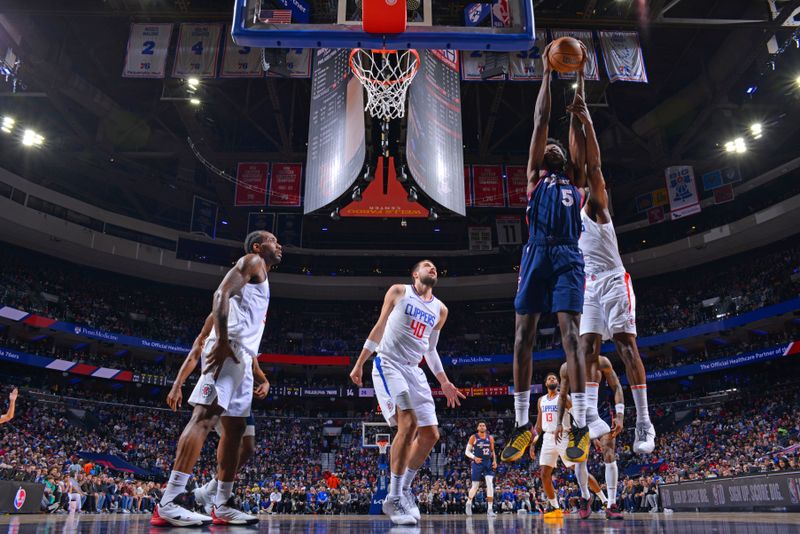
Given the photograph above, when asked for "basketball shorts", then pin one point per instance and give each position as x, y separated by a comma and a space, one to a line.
483, 469
609, 305
552, 451
390, 378
233, 389
249, 430
550, 279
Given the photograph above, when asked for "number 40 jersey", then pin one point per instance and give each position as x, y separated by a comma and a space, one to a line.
409, 327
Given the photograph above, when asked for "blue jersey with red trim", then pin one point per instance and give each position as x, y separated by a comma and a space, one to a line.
554, 210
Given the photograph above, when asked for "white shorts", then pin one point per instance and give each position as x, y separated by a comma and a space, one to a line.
609, 304
598, 428
390, 378
233, 390
551, 451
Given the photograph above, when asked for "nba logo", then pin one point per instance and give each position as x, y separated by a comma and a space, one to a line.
19, 498
206, 391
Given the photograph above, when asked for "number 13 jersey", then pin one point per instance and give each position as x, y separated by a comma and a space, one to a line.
408, 329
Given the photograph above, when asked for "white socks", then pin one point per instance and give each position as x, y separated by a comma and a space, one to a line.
582, 474
175, 486
612, 478
224, 492
210, 488
640, 399
591, 401
408, 478
553, 502
579, 409
396, 485
522, 407
602, 496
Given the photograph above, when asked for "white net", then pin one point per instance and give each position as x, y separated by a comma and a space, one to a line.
386, 75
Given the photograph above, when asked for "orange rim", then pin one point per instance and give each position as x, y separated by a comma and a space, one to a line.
385, 52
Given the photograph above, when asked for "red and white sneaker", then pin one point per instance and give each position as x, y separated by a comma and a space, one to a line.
226, 514
173, 515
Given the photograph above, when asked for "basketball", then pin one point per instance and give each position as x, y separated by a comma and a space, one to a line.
565, 54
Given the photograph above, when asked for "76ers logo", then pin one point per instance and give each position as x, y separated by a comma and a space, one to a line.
206, 390
19, 498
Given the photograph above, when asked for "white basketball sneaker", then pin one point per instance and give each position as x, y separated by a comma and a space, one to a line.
226, 514
411, 504
490, 511
468, 510
173, 515
203, 500
395, 508
645, 440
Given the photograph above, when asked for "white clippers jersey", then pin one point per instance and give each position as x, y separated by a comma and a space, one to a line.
247, 316
409, 327
598, 243
549, 409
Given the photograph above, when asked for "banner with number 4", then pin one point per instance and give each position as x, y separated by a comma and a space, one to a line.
197, 51
147, 50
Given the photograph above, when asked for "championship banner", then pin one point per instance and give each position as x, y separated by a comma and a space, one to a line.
298, 64
284, 186
204, 217
487, 182
656, 215
591, 70
528, 65
197, 50
517, 186
260, 221
622, 53
251, 184
240, 61
467, 186
147, 50
724, 194
682, 189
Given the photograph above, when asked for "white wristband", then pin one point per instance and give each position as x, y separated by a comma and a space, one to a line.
619, 408
371, 345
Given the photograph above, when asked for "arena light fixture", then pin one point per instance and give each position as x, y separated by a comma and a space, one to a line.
335, 214
741, 147
730, 146
31, 138
193, 82
432, 215
797, 80
194, 101
8, 124
412, 195
757, 130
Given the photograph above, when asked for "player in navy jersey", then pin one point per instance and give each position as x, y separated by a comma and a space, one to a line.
480, 449
551, 277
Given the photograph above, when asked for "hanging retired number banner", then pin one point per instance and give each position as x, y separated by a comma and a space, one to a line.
147, 50
622, 54
527, 65
590, 69
284, 187
517, 186
240, 61
487, 182
251, 184
197, 51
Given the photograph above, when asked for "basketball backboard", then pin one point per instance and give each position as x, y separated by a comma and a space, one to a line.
504, 25
372, 433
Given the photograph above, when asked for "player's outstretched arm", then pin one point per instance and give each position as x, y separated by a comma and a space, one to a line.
376, 334
451, 392
577, 138
619, 395
12, 405
541, 123
175, 396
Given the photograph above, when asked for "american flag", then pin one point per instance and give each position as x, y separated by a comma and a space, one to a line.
275, 16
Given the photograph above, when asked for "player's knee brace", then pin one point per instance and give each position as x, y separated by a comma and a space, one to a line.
489, 486
403, 400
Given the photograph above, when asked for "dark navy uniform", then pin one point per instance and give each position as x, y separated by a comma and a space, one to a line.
551, 277
483, 450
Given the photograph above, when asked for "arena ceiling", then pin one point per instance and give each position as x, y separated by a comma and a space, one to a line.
121, 143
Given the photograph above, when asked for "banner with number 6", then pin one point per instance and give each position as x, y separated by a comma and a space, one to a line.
240, 61
197, 51
147, 51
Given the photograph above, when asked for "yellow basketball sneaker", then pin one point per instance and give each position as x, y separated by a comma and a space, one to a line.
518, 443
552, 513
578, 444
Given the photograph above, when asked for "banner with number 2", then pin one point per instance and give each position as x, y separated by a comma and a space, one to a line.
197, 51
147, 50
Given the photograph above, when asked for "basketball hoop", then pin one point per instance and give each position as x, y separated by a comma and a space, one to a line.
386, 75
382, 445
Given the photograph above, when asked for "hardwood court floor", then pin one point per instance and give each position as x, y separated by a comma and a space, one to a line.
729, 523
